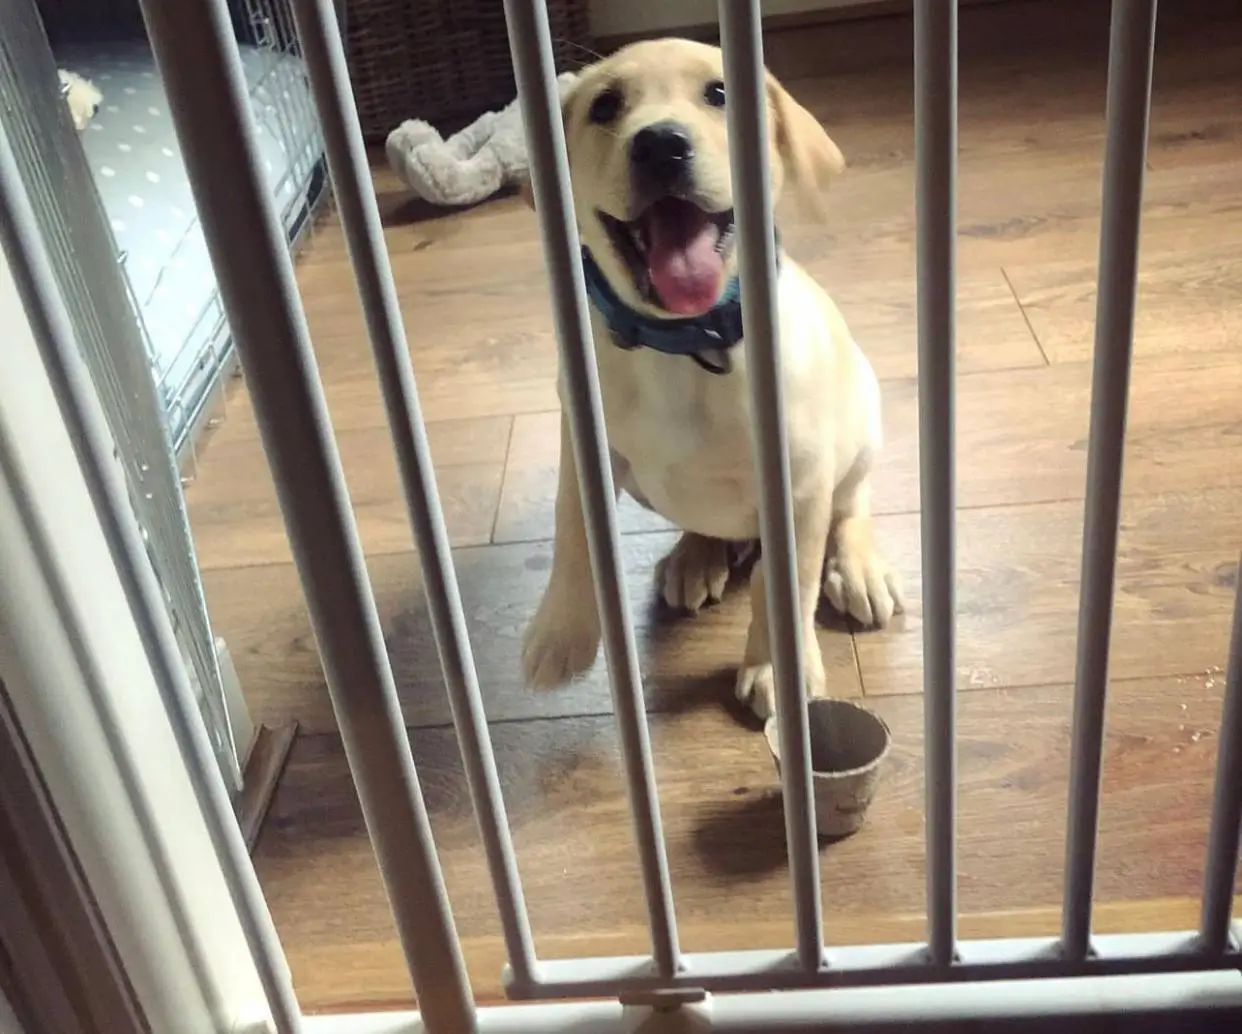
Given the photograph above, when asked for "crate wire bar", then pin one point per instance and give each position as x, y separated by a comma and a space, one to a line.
1193, 974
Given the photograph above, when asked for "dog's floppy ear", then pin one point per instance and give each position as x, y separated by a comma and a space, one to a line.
810, 157
566, 83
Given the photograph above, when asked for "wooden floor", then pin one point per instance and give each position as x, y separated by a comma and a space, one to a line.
474, 293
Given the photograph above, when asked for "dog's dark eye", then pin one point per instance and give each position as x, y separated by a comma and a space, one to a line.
605, 107
714, 93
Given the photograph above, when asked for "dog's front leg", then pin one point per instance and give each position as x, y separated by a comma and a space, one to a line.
857, 579
756, 685
564, 636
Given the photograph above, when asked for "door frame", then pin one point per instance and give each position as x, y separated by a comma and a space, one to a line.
69, 643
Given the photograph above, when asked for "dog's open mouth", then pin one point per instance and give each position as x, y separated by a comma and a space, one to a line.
676, 253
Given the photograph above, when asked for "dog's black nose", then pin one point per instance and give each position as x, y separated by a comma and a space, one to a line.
661, 154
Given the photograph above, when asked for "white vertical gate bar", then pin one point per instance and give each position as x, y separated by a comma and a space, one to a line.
1222, 857
531, 45
355, 198
201, 69
93, 443
1130, 50
935, 121
747, 119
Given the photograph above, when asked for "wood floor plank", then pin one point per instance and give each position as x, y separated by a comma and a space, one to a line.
476, 375
504, 362
992, 333
1025, 199
721, 808
1021, 438
1187, 302
1017, 592
1022, 435
235, 518
1016, 210
261, 613
1058, 102
528, 498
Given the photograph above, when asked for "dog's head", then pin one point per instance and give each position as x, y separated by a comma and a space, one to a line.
649, 155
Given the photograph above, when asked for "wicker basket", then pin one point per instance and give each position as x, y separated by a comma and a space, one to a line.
445, 61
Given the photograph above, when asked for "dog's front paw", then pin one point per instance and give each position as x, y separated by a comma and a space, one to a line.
858, 582
560, 644
694, 573
756, 688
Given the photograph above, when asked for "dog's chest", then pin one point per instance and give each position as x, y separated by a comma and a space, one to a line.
685, 437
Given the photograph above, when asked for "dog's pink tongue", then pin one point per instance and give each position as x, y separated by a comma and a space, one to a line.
685, 268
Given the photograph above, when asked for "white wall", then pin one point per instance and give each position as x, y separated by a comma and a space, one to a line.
623, 17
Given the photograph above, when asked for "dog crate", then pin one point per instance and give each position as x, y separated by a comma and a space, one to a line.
1179, 980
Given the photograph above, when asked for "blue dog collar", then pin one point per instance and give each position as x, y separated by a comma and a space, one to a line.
706, 339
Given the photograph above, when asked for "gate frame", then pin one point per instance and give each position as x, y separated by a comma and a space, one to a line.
229, 958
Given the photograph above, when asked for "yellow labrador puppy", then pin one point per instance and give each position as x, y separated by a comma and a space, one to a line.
649, 156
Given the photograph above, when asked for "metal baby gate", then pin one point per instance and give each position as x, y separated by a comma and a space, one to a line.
1077, 978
